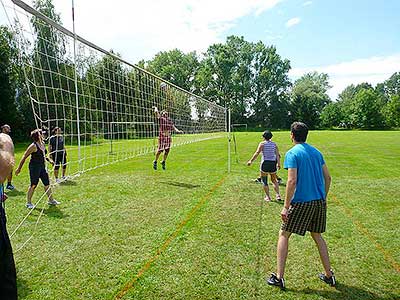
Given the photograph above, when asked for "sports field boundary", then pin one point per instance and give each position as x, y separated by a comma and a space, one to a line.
363, 230
169, 240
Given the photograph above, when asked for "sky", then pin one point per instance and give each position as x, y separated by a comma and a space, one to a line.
353, 41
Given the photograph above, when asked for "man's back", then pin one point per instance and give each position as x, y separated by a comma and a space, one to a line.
310, 181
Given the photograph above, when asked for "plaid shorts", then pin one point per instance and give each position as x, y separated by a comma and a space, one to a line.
307, 216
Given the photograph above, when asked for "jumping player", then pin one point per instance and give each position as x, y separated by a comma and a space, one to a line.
164, 137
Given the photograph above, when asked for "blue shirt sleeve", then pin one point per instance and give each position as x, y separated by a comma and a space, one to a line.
322, 159
290, 161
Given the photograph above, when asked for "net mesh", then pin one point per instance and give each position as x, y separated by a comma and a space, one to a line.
104, 105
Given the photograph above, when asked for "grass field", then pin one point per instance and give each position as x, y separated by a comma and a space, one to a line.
125, 231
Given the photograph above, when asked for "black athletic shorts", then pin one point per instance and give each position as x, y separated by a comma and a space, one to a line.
307, 216
59, 158
268, 166
37, 172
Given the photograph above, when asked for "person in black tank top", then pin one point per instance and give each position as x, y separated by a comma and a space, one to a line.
37, 168
58, 152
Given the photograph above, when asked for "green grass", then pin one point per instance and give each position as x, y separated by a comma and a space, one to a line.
211, 241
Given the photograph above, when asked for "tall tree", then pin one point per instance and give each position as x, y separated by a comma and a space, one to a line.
48, 53
366, 109
309, 97
175, 66
270, 86
8, 77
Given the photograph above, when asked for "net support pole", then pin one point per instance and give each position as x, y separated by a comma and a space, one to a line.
76, 92
229, 140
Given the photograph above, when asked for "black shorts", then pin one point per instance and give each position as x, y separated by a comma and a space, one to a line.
307, 216
37, 172
59, 158
268, 166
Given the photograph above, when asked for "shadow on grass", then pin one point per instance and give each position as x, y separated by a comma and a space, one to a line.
346, 292
181, 184
54, 212
22, 288
68, 182
15, 192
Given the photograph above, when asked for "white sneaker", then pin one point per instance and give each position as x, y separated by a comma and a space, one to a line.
64, 178
58, 180
30, 206
53, 202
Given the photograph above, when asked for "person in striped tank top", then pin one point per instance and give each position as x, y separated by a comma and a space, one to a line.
270, 163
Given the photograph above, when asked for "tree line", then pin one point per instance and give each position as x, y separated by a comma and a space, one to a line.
251, 79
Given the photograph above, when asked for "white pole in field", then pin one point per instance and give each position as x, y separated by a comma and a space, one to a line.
229, 140
76, 90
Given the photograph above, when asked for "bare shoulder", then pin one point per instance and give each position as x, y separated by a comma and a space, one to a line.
6, 143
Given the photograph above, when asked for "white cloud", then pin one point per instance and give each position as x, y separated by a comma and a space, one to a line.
307, 3
293, 22
140, 29
373, 70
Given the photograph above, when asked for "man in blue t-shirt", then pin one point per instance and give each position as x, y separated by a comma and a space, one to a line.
305, 202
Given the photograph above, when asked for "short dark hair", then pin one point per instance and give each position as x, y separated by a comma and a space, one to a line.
55, 129
267, 135
299, 131
35, 134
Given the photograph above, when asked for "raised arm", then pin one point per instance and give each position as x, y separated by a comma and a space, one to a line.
259, 149
32, 148
157, 113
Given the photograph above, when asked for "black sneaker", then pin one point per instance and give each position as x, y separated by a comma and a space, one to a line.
328, 280
280, 181
273, 280
10, 187
258, 180
163, 165
154, 165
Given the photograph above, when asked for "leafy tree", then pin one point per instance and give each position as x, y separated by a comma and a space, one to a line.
48, 53
391, 86
345, 102
309, 97
366, 109
174, 66
332, 115
392, 111
8, 77
270, 86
